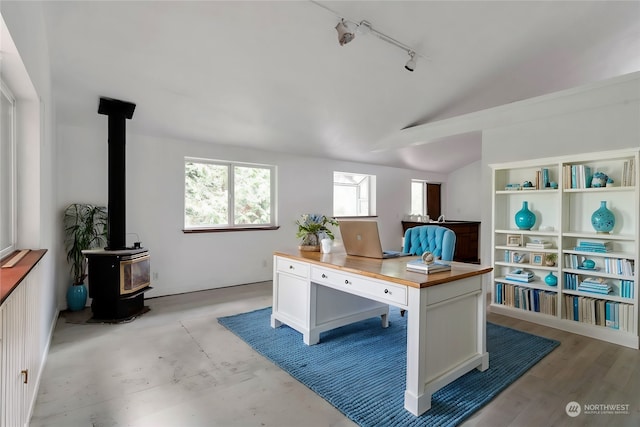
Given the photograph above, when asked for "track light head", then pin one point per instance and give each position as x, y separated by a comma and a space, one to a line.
345, 35
411, 63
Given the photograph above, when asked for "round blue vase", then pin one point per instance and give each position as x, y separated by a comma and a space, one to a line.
550, 279
525, 219
76, 297
603, 219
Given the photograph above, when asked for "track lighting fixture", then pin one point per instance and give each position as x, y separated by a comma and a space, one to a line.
344, 34
411, 63
347, 30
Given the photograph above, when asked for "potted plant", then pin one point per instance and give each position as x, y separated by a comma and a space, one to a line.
85, 227
312, 228
550, 259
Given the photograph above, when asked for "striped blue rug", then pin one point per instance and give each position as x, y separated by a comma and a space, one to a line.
360, 368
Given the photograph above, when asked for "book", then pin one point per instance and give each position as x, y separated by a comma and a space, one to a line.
420, 267
544, 245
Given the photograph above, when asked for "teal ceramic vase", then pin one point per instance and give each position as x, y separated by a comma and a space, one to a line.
603, 219
76, 297
550, 279
525, 219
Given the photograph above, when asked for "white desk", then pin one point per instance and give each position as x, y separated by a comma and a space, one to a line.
446, 329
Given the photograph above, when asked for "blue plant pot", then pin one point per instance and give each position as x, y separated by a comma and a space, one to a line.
76, 297
603, 220
525, 219
550, 279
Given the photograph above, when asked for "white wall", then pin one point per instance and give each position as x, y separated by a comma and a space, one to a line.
463, 200
155, 198
604, 116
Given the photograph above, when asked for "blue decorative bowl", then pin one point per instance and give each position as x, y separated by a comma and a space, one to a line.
551, 280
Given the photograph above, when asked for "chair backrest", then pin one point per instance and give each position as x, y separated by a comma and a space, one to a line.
440, 241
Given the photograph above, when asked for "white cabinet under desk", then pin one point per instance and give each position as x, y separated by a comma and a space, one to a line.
446, 329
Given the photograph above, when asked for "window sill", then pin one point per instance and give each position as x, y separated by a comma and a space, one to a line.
224, 230
10, 278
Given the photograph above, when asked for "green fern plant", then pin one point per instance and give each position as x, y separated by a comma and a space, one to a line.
85, 227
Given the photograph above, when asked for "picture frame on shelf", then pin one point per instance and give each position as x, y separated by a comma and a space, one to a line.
514, 240
537, 258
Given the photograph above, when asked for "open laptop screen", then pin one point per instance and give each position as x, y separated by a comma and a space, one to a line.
361, 238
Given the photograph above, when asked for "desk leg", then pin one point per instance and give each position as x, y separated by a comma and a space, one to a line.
416, 398
482, 331
384, 318
275, 323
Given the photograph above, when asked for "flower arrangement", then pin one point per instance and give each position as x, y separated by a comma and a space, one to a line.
314, 227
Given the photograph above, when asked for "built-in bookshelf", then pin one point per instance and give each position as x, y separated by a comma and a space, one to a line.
561, 272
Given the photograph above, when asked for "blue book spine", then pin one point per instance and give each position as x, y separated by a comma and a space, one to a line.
608, 318
588, 175
573, 176
545, 177
616, 315
576, 309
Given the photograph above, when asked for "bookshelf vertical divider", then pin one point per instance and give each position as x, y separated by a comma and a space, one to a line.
596, 273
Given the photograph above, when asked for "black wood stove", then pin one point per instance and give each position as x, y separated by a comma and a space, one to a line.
118, 275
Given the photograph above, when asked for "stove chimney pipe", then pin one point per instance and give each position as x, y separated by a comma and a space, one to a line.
117, 111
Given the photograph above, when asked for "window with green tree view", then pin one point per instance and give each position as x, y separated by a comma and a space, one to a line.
227, 195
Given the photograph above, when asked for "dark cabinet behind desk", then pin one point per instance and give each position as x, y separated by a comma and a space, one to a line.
467, 235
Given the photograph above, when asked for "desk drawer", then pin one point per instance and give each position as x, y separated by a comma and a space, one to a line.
286, 265
358, 285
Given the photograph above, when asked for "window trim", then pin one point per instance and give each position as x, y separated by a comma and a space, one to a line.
231, 226
13, 200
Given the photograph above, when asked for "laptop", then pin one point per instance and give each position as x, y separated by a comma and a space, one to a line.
361, 238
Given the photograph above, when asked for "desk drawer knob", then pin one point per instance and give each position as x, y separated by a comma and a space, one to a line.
324, 276
346, 282
386, 291
291, 267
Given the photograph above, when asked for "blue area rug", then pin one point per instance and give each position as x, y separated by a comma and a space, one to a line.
350, 367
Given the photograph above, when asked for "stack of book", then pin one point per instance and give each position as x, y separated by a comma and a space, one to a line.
538, 244
419, 266
519, 276
596, 285
589, 246
577, 176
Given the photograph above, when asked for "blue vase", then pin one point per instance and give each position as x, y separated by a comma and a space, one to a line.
525, 219
76, 297
550, 279
603, 219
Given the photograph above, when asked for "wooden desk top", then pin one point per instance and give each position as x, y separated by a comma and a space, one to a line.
392, 270
10, 278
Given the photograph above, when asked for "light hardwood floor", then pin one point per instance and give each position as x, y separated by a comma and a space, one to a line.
176, 366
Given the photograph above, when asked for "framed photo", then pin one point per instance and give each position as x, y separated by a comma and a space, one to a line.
518, 257
537, 258
514, 240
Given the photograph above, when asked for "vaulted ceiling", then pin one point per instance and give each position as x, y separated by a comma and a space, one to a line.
271, 74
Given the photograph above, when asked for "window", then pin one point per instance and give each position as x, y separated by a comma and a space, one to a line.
353, 194
221, 194
7, 172
418, 199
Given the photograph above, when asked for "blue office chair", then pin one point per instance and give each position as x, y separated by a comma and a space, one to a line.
440, 241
